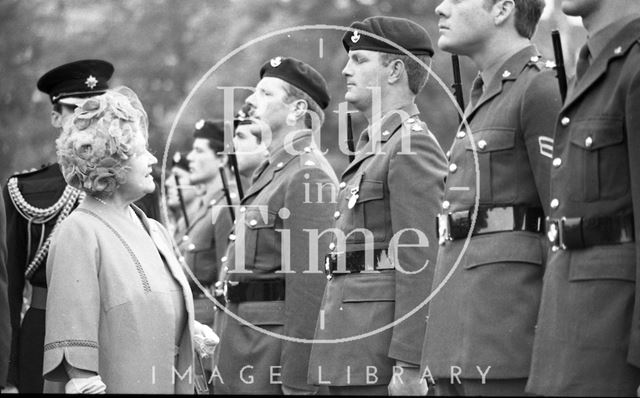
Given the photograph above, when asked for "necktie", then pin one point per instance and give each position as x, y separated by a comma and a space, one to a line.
583, 61
476, 90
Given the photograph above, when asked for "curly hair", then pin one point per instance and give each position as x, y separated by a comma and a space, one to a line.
97, 141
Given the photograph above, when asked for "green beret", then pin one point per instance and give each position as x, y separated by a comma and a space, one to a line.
300, 75
403, 32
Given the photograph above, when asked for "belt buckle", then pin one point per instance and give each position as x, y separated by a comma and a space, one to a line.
225, 289
555, 233
444, 228
328, 259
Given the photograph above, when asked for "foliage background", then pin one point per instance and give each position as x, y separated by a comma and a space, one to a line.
161, 48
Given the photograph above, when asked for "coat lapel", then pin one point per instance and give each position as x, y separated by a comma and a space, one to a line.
389, 124
510, 71
616, 49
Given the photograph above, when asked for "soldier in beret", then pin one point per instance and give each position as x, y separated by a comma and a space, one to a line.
380, 265
205, 239
182, 197
35, 203
481, 323
271, 283
588, 336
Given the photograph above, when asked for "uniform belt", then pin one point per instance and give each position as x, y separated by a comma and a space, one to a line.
569, 233
456, 225
38, 298
261, 290
354, 262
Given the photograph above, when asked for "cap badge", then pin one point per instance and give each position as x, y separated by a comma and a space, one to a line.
275, 62
355, 36
199, 124
91, 82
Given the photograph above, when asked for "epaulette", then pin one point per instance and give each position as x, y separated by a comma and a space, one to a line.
541, 63
415, 125
307, 157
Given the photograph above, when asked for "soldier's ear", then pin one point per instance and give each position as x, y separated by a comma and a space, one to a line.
502, 10
396, 71
56, 119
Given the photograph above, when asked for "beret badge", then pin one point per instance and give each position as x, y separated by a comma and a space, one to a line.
91, 82
355, 36
200, 124
275, 62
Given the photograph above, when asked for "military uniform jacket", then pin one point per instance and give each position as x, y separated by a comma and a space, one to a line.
296, 192
5, 323
590, 310
41, 188
398, 175
204, 242
485, 314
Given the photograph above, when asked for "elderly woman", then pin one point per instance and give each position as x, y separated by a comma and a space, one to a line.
119, 309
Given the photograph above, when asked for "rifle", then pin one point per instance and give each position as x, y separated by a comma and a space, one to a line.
233, 161
561, 74
227, 195
457, 83
177, 159
350, 144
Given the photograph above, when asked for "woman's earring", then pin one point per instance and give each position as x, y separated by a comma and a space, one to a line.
291, 119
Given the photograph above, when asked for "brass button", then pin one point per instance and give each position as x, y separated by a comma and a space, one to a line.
448, 154
461, 134
253, 223
555, 203
336, 215
565, 121
332, 246
557, 162
191, 247
185, 238
482, 144
343, 184
588, 142
453, 167
243, 209
446, 204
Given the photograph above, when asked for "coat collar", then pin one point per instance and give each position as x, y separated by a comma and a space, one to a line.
280, 158
511, 69
617, 48
381, 132
205, 204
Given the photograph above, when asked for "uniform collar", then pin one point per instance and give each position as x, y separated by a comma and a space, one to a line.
509, 71
294, 143
625, 38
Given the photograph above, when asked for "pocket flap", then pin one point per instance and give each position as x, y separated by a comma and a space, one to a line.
262, 312
511, 247
593, 134
604, 262
370, 190
254, 219
491, 140
370, 287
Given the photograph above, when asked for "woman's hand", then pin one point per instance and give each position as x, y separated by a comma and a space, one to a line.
204, 339
85, 385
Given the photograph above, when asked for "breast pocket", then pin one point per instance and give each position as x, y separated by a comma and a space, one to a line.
371, 208
599, 158
260, 237
496, 158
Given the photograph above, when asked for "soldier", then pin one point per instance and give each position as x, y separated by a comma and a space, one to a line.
387, 218
588, 336
180, 192
36, 202
5, 322
481, 324
205, 240
279, 291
